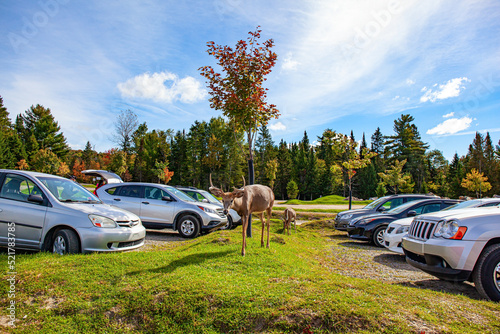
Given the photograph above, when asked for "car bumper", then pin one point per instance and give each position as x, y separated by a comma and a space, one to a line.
393, 242
447, 259
358, 233
97, 239
214, 225
341, 225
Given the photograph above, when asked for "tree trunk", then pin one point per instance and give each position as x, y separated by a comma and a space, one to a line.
250, 181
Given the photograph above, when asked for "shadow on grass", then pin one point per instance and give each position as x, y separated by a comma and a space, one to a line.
464, 288
193, 259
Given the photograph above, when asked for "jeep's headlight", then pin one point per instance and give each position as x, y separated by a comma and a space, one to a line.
402, 229
450, 230
100, 221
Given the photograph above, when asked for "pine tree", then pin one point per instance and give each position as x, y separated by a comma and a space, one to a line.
284, 170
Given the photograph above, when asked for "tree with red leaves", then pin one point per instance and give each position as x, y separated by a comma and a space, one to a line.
239, 91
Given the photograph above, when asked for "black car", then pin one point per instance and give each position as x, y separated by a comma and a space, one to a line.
371, 227
382, 204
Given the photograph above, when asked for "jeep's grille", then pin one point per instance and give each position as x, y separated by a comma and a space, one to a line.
421, 229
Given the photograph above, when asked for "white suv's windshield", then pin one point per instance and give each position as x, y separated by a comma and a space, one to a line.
181, 195
68, 191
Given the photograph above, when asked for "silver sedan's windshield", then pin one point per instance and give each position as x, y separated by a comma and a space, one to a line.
68, 191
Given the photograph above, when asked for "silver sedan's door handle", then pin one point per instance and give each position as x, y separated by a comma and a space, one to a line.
145, 202
117, 199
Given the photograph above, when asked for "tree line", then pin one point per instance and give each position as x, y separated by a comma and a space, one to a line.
337, 163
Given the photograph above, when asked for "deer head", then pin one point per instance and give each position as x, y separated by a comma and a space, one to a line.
227, 197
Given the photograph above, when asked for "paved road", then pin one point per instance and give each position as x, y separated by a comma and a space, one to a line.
318, 206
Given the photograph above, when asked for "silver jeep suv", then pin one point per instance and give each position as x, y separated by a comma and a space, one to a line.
458, 245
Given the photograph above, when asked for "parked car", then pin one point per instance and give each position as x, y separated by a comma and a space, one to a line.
160, 206
458, 245
396, 230
380, 205
50, 213
103, 177
372, 227
233, 218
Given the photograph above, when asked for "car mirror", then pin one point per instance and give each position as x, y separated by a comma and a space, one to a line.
205, 200
411, 213
381, 209
35, 198
167, 199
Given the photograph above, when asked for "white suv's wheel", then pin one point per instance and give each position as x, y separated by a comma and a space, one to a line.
486, 274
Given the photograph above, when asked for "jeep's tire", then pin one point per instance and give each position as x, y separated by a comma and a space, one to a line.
486, 274
378, 236
189, 226
65, 242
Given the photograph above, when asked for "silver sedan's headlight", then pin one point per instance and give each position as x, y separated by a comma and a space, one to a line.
402, 229
100, 221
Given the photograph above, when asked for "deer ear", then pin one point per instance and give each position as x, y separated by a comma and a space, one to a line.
216, 191
238, 192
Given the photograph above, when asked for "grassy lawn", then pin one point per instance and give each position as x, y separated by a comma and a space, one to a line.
205, 286
327, 200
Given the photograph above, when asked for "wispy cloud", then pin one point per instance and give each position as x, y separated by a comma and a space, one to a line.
278, 126
152, 86
445, 91
448, 115
451, 126
289, 64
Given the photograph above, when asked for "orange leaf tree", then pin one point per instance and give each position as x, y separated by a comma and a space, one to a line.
239, 90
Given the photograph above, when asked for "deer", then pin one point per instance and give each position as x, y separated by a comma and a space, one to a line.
247, 200
287, 221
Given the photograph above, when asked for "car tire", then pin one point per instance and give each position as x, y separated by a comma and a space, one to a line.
229, 224
65, 242
378, 236
189, 227
486, 274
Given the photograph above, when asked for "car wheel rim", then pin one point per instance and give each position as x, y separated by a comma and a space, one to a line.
187, 227
380, 237
59, 245
496, 276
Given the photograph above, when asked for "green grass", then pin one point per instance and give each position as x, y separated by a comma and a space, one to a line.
327, 200
310, 210
206, 286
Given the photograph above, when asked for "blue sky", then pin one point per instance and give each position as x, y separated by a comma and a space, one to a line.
344, 65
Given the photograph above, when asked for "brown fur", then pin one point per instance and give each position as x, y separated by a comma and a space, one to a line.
287, 221
247, 200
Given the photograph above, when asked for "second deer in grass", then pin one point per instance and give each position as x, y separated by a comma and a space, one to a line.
247, 200
287, 221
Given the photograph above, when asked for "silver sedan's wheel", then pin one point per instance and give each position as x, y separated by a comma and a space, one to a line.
189, 227
65, 242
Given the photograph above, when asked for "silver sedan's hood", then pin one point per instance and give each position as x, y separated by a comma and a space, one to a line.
102, 210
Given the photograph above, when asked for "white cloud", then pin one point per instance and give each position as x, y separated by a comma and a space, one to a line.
451, 114
289, 64
152, 86
410, 82
278, 126
450, 89
451, 126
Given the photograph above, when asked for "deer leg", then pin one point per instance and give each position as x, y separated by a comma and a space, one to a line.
269, 211
262, 232
244, 234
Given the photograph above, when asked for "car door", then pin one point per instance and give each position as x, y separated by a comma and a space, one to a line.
157, 208
127, 197
19, 218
